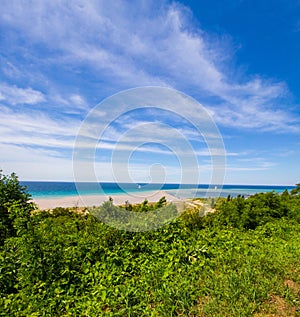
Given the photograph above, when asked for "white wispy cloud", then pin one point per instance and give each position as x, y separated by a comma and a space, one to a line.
15, 95
80, 50
36, 122
34, 131
143, 43
34, 163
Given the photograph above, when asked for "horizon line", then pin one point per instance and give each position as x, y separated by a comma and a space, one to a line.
147, 183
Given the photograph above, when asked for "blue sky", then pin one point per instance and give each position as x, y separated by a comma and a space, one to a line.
239, 59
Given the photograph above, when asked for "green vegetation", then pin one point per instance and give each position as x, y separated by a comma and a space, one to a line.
242, 260
136, 218
296, 191
257, 210
15, 207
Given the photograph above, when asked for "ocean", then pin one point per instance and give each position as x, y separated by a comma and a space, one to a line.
66, 189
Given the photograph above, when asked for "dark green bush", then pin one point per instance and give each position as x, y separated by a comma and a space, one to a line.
256, 210
15, 206
63, 263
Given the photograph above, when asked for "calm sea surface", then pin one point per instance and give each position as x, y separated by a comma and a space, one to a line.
65, 189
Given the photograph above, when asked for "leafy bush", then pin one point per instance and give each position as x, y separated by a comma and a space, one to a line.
256, 210
70, 264
15, 206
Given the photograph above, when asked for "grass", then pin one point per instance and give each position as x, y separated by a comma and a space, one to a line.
74, 265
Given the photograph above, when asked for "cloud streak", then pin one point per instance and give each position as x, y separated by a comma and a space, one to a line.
150, 44
14, 95
80, 52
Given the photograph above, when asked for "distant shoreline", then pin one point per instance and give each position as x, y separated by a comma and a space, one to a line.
49, 195
93, 193
96, 200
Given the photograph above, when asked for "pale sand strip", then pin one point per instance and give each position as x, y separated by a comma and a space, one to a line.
97, 200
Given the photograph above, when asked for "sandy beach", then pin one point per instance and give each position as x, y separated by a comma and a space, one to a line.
96, 200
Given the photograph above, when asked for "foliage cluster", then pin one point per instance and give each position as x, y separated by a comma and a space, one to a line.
70, 264
139, 217
145, 205
15, 207
256, 210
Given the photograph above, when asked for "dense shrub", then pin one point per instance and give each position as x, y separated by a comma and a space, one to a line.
15, 206
256, 210
70, 264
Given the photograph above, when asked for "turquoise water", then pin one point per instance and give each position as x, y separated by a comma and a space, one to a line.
66, 189
228, 190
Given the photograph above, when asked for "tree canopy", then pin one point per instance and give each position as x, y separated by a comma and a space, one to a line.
15, 206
